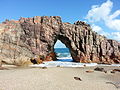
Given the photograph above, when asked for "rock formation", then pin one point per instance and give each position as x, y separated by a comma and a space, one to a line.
36, 36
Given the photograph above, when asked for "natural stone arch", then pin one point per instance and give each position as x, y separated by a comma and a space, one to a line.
70, 36
67, 42
62, 51
37, 36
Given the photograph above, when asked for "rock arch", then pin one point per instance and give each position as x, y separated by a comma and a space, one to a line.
68, 44
37, 36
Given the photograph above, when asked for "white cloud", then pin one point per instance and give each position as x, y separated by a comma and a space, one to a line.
96, 28
116, 35
115, 14
113, 24
103, 13
113, 35
99, 30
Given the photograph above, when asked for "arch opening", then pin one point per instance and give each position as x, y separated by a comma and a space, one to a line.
63, 53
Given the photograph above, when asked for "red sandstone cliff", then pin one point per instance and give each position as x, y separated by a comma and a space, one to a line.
37, 36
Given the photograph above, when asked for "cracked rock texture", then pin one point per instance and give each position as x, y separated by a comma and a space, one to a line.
37, 36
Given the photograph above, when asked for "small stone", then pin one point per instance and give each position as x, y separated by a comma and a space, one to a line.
3, 68
99, 69
77, 78
89, 71
44, 67
118, 70
105, 71
112, 71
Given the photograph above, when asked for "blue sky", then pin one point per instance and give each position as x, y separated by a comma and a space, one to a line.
103, 15
69, 10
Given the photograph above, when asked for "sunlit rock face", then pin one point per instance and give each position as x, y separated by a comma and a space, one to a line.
37, 36
87, 46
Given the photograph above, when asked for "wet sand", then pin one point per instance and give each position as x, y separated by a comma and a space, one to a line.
56, 78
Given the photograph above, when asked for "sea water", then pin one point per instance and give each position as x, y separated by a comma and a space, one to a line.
63, 54
65, 60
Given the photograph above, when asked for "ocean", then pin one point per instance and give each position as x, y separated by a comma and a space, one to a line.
63, 54
65, 60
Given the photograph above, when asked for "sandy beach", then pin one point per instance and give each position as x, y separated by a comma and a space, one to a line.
57, 78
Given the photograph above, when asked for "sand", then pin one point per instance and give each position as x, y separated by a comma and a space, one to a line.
56, 78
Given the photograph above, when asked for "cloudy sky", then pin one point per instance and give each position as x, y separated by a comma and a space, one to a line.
105, 20
102, 15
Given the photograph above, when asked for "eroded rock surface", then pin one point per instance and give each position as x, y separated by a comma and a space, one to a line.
37, 36
87, 46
